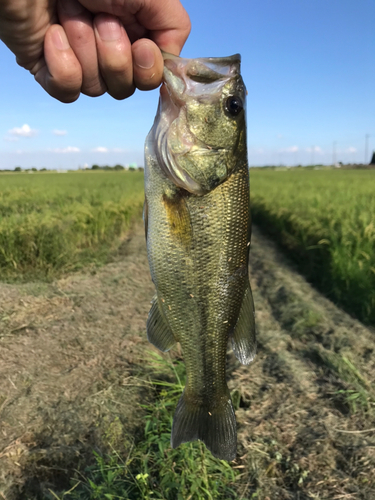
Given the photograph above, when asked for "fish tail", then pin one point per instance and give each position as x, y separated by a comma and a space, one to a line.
214, 424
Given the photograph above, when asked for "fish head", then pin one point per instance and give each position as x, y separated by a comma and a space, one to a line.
200, 127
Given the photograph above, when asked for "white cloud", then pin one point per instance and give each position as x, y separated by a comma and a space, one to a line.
69, 149
317, 149
100, 149
352, 150
59, 132
24, 131
291, 149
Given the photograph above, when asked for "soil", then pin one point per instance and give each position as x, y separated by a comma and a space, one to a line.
74, 365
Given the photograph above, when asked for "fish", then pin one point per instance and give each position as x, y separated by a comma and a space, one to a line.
198, 228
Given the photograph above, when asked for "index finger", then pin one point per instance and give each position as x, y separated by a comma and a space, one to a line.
166, 21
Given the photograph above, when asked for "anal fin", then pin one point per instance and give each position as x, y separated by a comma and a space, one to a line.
243, 337
158, 330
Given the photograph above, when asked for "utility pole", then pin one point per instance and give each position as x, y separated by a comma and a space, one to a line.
334, 153
366, 147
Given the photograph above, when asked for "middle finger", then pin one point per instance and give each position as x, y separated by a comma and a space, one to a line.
77, 23
115, 55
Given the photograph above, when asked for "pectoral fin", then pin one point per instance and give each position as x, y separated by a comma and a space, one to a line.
158, 330
243, 336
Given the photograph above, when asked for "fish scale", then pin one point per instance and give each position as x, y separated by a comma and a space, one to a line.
198, 230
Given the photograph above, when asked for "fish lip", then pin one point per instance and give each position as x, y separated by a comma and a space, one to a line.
220, 61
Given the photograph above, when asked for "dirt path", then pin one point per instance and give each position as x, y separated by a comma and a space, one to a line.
71, 353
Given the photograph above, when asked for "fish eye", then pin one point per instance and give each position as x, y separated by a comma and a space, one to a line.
233, 105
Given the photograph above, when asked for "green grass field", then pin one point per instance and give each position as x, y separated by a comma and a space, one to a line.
52, 223
153, 470
326, 221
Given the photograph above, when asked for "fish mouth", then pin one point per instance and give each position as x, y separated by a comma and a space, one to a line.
202, 69
205, 75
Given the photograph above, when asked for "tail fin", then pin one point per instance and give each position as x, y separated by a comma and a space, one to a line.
215, 426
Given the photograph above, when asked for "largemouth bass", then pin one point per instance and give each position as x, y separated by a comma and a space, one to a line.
197, 221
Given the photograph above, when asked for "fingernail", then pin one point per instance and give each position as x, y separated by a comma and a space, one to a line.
143, 56
60, 40
108, 29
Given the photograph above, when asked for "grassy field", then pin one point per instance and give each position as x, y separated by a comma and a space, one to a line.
326, 221
152, 469
86, 414
52, 223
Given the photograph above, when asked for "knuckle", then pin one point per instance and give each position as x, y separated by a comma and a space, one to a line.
62, 94
95, 89
121, 93
119, 67
93, 93
66, 87
67, 99
149, 84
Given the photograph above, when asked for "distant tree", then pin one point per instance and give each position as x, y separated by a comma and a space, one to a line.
18, 169
43, 169
34, 169
95, 167
118, 167
140, 169
132, 169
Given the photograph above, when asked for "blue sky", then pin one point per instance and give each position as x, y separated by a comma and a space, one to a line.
309, 67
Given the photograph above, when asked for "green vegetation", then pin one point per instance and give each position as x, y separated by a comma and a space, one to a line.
357, 394
152, 469
326, 221
52, 223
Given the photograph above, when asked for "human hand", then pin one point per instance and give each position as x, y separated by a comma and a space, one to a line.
93, 46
